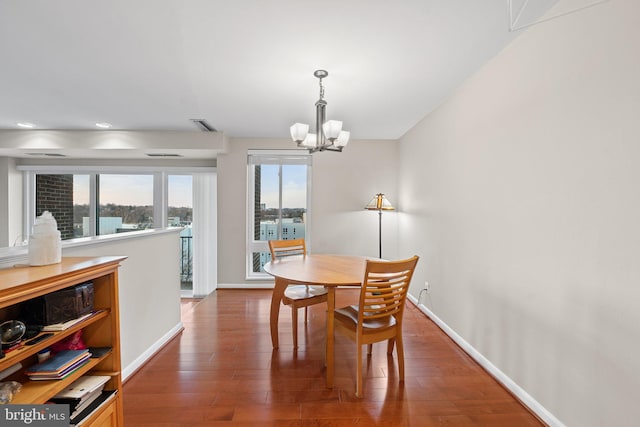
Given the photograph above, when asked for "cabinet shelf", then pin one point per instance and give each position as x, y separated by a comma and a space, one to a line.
37, 391
102, 329
25, 351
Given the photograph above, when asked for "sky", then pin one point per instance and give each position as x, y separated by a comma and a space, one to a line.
294, 186
136, 190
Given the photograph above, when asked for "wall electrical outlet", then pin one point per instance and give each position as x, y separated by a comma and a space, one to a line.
426, 286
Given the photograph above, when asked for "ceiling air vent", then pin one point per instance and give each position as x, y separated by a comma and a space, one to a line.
203, 125
47, 154
163, 155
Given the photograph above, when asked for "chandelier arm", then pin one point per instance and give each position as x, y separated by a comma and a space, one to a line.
332, 148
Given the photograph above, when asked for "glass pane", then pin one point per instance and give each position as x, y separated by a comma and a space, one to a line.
279, 206
125, 203
180, 214
62, 195
294, 201
180, 199
259, 260
266, 202
81, 194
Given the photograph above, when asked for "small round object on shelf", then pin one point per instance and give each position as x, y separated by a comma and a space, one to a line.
11, 332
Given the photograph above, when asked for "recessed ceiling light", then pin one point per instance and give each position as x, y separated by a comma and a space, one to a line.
103, 125
25, 125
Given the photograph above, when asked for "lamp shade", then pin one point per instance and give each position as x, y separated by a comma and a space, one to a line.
379, 203
299, 131
343, 138
310, 141
332, 129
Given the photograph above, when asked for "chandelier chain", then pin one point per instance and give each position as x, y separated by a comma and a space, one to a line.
321, 89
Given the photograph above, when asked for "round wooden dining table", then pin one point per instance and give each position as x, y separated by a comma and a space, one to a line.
329, 271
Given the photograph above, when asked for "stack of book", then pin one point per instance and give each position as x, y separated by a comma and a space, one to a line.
66, 325
81, 393
59, 366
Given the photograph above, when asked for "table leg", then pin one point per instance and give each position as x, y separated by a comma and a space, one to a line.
331, 306
276, 299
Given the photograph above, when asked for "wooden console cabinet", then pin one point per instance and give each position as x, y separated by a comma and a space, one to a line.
21, 283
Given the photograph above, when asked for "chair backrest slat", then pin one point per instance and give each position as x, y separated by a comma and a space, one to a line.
385, 288
285, 248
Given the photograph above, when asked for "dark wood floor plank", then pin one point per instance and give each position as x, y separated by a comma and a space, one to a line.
222, 371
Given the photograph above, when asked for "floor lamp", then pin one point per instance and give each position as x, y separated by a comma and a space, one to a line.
379, 203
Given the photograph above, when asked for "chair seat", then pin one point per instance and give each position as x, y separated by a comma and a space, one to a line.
298, 292
348, 316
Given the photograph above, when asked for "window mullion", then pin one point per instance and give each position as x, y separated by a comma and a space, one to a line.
94, 199
160, 199
29, 203
280, 202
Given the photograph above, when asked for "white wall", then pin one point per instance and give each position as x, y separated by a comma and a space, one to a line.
149, 284
342, 184
5, 165
521, 195
10, 203
81, 144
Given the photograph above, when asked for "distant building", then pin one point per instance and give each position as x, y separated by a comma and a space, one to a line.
108, 225
292, 228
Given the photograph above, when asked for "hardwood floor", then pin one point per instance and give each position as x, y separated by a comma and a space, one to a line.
222, 371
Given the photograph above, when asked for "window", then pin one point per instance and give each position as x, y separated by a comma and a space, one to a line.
81, 203
114, 199
94, 204
180, 214
125, 203
278, 203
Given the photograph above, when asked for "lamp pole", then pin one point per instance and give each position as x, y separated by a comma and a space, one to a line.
379, 203
380, 233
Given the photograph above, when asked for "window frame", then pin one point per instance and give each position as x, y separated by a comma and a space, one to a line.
281, 158
160, 188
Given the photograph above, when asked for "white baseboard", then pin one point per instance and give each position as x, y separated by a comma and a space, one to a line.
142, 359
500, 376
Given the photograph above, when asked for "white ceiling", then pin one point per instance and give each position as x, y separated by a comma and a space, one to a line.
246, 66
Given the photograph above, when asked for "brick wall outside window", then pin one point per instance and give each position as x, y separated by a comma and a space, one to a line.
54, 193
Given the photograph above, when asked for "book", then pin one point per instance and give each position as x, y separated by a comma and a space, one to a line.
98, 352
102, 399
59, 365
66, 325
81, 393
62, 374
76, 405
82, 387
81, 406
57, 362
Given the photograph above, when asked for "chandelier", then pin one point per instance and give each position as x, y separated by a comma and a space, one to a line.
329, 135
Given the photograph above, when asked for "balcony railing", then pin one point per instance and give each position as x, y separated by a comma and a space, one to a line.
186, 263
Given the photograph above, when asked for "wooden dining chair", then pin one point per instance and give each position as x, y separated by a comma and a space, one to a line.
296, 295
378, 315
